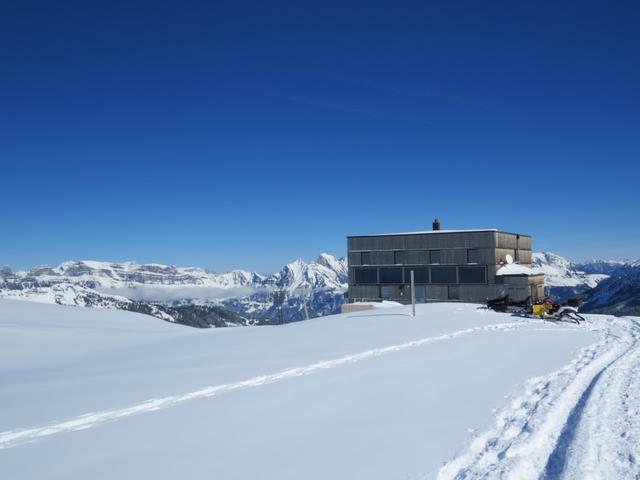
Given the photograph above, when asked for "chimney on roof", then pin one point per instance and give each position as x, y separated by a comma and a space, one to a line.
436, 224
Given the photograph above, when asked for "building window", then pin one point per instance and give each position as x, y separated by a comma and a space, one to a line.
386, 292
420, 275
472, 275
391, 275
366, 275
435, 256
421, 293
454, 292
417, 257
400, 258
473, 256
365, 258
443, 275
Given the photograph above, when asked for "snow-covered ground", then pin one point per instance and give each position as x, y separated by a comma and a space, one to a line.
456, 392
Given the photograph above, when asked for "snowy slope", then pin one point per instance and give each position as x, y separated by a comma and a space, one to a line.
205, 316
617, 295
579, 422
108, 394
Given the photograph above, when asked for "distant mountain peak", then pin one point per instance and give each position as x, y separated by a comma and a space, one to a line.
560, 272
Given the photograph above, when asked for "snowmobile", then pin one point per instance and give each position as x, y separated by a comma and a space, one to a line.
506, 305
547, 309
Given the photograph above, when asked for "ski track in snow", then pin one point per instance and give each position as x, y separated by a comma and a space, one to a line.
14, 438
579, 422
604, 440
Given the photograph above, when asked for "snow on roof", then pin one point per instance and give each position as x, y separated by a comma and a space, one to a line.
428, 231
516, 269
383, 304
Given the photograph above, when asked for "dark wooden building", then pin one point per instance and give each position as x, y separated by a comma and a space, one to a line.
448, 265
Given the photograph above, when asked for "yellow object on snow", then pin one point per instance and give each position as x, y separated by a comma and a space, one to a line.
542, 309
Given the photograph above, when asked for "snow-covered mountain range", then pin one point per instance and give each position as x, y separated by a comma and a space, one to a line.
173, 293
605, 286
564, 279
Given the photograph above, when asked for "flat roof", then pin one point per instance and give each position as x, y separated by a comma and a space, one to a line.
431, 232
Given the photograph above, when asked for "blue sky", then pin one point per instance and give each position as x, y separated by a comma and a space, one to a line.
237, 134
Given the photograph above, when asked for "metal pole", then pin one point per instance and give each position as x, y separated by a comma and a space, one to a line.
413, 296
306, 311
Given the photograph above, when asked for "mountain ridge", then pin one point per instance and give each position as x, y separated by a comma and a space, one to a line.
168, 291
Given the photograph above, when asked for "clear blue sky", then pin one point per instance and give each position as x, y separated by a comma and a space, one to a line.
237, 134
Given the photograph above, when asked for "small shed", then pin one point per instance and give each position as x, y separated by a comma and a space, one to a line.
521, 282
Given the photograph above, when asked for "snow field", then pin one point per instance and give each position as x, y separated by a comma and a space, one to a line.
376, 394
14, 438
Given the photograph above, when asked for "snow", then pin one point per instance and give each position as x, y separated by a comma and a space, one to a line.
578, 422
377, 394
62, 294
382, 304
430, 231
385, 304
515, 269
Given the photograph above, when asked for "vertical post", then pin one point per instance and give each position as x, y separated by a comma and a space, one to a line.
306, 294
413, 296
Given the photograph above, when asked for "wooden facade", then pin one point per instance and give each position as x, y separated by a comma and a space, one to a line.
448, 266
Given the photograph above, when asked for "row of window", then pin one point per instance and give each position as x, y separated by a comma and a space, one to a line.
422, 257
422, 293
435, 274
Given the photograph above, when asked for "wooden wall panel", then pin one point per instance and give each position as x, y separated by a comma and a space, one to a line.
417, 257
437, 292
354, 258
487, 256
524, 257
382, 258
364, 292
453, 256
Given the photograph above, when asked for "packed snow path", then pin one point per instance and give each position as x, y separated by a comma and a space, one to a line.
581, 422
602, 437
